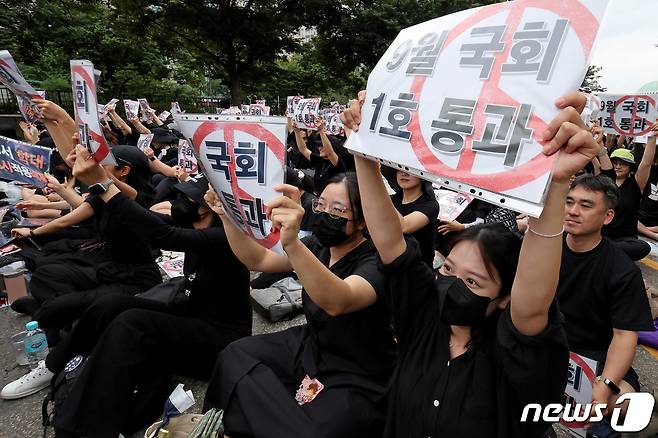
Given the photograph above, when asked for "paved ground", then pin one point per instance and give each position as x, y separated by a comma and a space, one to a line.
22, 418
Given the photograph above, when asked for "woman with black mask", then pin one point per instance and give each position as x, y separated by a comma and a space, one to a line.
483, 339
134, 342
329, 377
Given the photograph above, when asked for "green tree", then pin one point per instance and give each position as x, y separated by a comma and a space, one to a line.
591, 82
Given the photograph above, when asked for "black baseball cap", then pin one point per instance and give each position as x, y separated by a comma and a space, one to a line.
195, 189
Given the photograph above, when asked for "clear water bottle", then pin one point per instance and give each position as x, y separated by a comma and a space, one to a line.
36, 344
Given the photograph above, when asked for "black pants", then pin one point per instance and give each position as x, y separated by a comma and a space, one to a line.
255, 380
134, 345
634, 248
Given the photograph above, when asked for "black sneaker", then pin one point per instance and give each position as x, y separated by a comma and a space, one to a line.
25, 305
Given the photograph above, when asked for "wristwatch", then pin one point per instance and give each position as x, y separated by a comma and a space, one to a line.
101, 187
609, 383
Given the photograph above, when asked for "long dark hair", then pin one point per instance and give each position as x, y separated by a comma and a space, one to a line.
500, 250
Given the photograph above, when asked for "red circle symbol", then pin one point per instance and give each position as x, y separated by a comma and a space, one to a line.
631, 132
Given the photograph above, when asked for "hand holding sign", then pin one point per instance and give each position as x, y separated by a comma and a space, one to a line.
286, 213
86, 170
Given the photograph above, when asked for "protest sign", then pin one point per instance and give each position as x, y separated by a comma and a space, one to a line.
306, 111
171, 263
23, 162
175, 108
244, 109
333, 123
451, 204
144, 141
291, 102
463, 99
102, 113
581, 378
131, 107
28, 110
11, 77
146, 110
231, 111
259, 110
164, 115
631, 115
186, 158
243, 158
85, 105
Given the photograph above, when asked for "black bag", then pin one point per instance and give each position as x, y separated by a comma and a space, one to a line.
170, 292
60, 386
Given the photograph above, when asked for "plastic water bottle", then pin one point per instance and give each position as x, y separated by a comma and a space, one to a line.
36, 344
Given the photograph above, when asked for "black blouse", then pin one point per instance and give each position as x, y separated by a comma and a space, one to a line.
480, 393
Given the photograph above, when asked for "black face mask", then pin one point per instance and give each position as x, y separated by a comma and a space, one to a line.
184, 212
458, 305
329, 231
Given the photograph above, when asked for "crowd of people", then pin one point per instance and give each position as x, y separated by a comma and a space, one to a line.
414, 327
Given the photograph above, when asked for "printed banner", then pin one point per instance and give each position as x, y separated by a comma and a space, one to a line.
131, 107
186, 158
463, 99
11, 77
306, 111
451, 204
85, 105
23, 162
243, 158
144, 141
291, 102
582, 375
631, 115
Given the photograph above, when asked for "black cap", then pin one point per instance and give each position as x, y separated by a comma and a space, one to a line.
164, 136
130, 155
195, 189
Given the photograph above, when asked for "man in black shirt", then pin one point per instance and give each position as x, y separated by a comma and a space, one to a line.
601, 292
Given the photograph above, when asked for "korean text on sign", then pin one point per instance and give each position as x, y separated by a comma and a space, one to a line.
630, 115
306, 111
462, 99
243, 158
23, 162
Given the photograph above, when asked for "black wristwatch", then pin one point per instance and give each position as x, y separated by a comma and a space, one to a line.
101, 187
609, 383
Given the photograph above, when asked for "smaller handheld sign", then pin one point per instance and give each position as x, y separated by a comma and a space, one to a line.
243, 158
580, 381
144, 141
259, 109
175, 108
631, 115
28, 110
146, 110
291, 102
186, 158
131, 107
23, 162
164, 115
11, 77
451, 204
306, 111
85, 104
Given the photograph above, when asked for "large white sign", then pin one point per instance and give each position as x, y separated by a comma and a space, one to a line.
464, 99
631, 115
85, 105
243, 158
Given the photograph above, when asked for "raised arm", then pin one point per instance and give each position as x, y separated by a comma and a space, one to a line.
326, 143
301, 144
68, 194
119, 122
138, 126
158, 166
538, 270
80, 214
383, 219
644, 168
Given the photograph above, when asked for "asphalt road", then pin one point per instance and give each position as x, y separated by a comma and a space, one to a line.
22, 418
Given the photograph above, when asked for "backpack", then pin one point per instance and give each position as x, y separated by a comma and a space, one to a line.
60, 386
283, 299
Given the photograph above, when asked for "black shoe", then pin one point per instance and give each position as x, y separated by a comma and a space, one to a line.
25, 305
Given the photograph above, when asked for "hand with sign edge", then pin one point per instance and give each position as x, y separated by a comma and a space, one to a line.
30, 134
214, 203
286, 213
20, 233
50, 110
86, 169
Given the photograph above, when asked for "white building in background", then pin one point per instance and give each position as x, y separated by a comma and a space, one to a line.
306, 34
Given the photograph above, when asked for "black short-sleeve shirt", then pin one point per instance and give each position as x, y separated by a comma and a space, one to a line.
480, 393
324, 170
649, 204
600, 290
359, 342
429, 206
624, 224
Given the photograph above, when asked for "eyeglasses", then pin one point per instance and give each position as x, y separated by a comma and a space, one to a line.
335, 211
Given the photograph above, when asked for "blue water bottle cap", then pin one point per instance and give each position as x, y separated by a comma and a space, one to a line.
32, 325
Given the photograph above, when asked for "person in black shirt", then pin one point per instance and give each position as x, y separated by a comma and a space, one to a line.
648, 217
138, 342
418, 210
342, 358
601, 292
483, 339
623, 228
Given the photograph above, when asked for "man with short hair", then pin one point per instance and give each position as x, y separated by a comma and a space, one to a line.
601, 291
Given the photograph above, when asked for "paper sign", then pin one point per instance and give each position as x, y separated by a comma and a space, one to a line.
28, 109
175, 108
11, 77
244, 109
243, 158
85, 105
186, 158
164, 115
463, 99
146, 110
172, 263
451, 204
291, 102
333, 124
231, 111
631, 115
582, 375
144, 141
131, 107
259, 110
23, 162
306, 111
